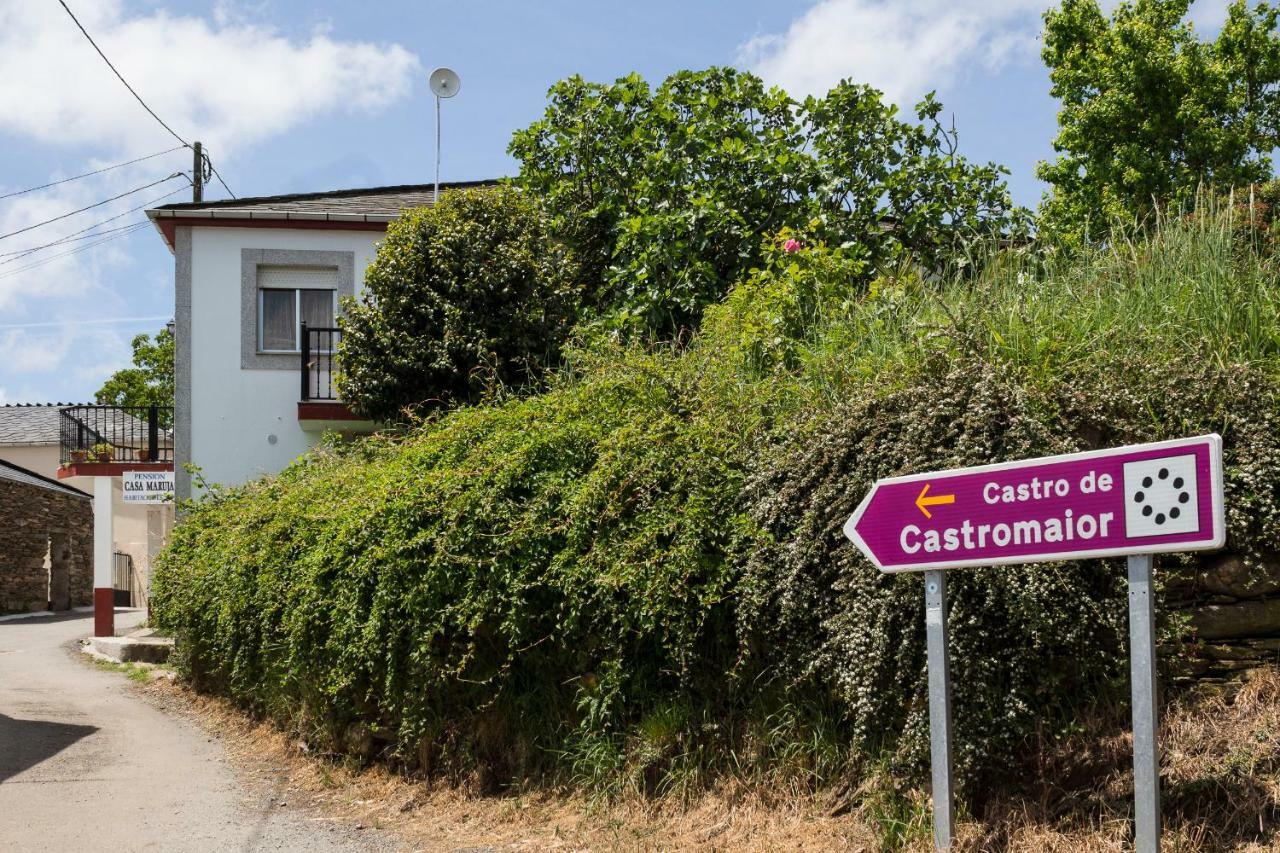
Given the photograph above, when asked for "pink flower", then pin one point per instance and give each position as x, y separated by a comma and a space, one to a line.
792, 245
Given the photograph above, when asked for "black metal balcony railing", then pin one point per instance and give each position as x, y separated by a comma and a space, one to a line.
116, 434
319, 362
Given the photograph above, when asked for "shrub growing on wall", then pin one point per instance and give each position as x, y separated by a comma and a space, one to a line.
644, 565
820, 617
463, 297
471, 595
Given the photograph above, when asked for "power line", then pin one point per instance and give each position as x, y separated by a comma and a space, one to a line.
138, 97
92, 206
75, 235
219, 177
16, 256
121, 76
89, 174
51, 258
108, 321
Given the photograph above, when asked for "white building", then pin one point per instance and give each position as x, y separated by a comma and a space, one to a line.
252, 392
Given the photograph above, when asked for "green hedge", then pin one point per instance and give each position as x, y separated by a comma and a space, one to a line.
637, 578
470, 591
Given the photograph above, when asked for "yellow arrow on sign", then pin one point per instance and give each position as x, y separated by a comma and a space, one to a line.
925, 502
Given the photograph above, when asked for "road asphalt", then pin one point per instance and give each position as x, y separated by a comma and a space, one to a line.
86, 764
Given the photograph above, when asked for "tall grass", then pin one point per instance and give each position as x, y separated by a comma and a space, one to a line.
1194, 289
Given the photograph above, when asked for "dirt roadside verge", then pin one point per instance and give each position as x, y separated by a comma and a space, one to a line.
1197, 738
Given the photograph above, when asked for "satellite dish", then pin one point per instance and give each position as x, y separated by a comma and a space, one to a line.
444, 82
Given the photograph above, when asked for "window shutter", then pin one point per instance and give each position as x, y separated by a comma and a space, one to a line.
298, 278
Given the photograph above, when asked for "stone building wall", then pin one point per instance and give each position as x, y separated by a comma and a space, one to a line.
46, 547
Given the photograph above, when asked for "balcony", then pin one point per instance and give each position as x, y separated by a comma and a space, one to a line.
108, 440
319, 408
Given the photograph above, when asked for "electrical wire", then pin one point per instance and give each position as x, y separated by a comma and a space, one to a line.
17, 256
92, 206
138, 97
121, 76
219, 177
89, 174
97, 321
51, 258
75, 235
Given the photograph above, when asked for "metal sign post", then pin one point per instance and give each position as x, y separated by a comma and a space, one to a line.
1127, 501
935, 626
1142, 674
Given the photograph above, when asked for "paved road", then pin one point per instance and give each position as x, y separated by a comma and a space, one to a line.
86, 765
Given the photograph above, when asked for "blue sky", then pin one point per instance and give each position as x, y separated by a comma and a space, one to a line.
301, 96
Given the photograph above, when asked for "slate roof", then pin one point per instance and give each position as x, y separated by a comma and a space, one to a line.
18, 474
30, 423
370, 204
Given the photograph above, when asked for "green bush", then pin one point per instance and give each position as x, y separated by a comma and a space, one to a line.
475, 592
637, 579
464, 297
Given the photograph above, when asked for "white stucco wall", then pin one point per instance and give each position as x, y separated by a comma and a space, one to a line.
244, 422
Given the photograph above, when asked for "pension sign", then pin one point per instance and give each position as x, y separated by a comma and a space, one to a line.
1141, 499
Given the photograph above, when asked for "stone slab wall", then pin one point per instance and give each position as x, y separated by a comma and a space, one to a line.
32, 519
1232, 611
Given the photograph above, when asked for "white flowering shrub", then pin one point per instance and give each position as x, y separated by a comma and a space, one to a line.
1027, 643
823, 618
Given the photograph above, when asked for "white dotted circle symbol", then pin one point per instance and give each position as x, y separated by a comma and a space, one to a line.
1160, 496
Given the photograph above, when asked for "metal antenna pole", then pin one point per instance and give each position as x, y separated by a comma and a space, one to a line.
436, 196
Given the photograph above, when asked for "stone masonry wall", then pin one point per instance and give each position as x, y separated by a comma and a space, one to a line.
1233, 613
31, 519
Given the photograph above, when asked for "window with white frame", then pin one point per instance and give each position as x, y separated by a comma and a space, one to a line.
289, 297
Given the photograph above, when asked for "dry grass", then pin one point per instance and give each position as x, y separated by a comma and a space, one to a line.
1220, 779
1221, 786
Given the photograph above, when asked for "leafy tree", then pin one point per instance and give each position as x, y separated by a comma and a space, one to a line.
149, 382
462, 297
1149, 111
667, 193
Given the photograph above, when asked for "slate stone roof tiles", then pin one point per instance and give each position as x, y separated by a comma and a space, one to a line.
372, 203
30, 423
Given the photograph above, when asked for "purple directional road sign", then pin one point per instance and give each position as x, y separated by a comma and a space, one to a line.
1141, 499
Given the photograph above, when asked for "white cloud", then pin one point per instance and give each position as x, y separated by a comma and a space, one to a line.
902, 48
35, 353
229, 82
906, 48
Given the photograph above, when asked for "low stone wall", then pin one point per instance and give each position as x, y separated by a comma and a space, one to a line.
1233, 612
46, 548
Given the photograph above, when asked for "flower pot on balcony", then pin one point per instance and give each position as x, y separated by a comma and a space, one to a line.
79, 456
